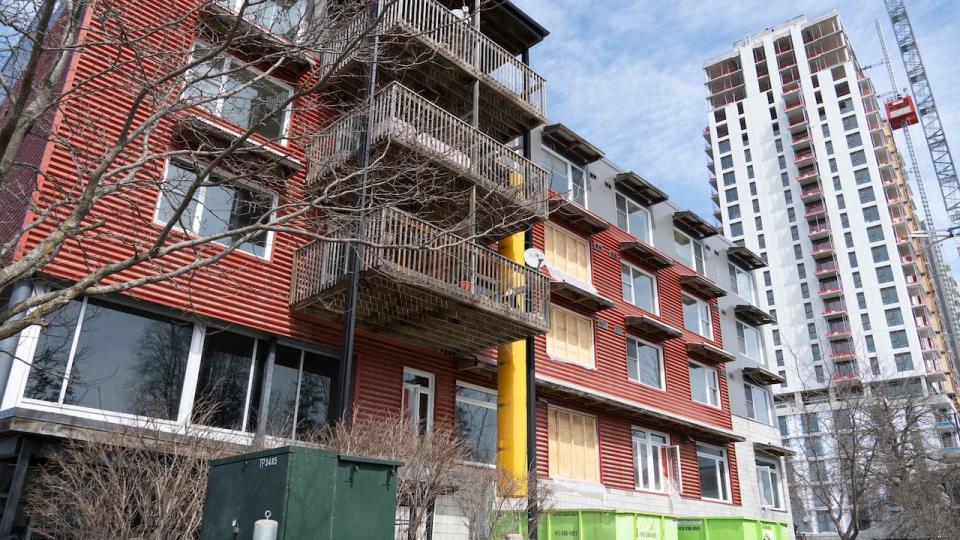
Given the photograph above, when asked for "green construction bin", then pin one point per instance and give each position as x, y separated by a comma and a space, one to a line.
311, 493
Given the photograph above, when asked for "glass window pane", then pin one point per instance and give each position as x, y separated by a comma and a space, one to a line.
649, 364
53, 350
224, 375
283, 391
477, 423
316, 393
179, 179
709, 484
129, 362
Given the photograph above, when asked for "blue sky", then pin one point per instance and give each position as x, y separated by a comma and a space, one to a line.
627, 75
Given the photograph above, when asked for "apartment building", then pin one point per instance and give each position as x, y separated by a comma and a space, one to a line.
805, 172
653, 415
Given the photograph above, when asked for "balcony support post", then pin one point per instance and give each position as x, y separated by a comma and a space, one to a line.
533, 508
355, 252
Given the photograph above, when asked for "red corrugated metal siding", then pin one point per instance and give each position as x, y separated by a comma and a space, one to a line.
610, 372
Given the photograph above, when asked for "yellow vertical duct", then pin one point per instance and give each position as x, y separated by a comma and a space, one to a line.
512, 388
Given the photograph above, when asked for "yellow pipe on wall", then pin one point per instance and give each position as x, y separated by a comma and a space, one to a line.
512, 391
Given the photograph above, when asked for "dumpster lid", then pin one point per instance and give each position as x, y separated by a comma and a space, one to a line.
370, 460
274, 452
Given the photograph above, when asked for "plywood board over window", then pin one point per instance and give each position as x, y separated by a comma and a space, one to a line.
573, 450
570, 337
567, 252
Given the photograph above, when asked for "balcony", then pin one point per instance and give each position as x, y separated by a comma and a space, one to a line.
415, 138
909, 262
838, 331
825, 269
800, 140
830, 289
914, 282
924, 326
798, 124
820, 229
822, 250
934, 369
811, 194
814, 212
846, 377
803, 158
833, 310
424, 286
929, 347
706, 133
807, 175
428, 42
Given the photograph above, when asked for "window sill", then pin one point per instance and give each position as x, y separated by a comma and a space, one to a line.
568, 361
647, 386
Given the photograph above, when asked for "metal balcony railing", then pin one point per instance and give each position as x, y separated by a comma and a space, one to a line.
403, 116
414, 252
455, 38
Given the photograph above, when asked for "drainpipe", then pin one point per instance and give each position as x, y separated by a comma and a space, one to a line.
355, 253
8, 347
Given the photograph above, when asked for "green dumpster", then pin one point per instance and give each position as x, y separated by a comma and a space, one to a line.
311, 493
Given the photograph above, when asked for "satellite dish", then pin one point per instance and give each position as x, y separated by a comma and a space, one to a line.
534, 258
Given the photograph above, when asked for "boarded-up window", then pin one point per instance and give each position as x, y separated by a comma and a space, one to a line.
567, 252
570, 337
573, 449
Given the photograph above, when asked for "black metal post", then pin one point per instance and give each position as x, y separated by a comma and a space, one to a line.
533, 509
355, 253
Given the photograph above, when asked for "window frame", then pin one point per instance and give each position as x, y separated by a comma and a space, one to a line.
569, 195
716, 378
743, 328
627, 201
458, 399
772, 468
655, 292
431, 395
662, 455
699, 264
596, 440
200, 197
660, 361
284, 138
555, 229
751, 402
725, 484
701, 304
735, 273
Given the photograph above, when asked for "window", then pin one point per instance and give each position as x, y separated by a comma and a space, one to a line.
729, 178
688, 251
884, 274
639, 288
733, 212
879, 253
875, 233
570, 337
567, 252
650, 459
898, 339
768, 476
714, 473
854, 140
825, 522
894, 317
730, 195
644, 363
811, 423
850, 122
758, 403
788, 196
300, 392
633, 218
867, 195
779, 355
829, 145
871, 346
218, 206
726, 162
704, 384
861, 301
476, 422
696, 316
565, 178
845, 221
819, 374
857, 281
846, 106
903, 361
747, 156
109, 357
848, 239
784, 427
862, 176
853, 259
888, 295
741, 281
572, 448
239, 94
736, 229
279, 16
858, 158
229, 370
724, 146
832, 162
865, 321
871, 214
418, 400
750, 344
874, 366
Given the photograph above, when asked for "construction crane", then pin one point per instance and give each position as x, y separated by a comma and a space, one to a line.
926, 108
902, 113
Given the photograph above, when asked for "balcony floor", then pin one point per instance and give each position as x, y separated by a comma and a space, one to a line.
424, 312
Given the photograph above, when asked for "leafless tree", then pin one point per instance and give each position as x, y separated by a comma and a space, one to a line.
430, 461
141, 123
489, 514
868, 452
146, 480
